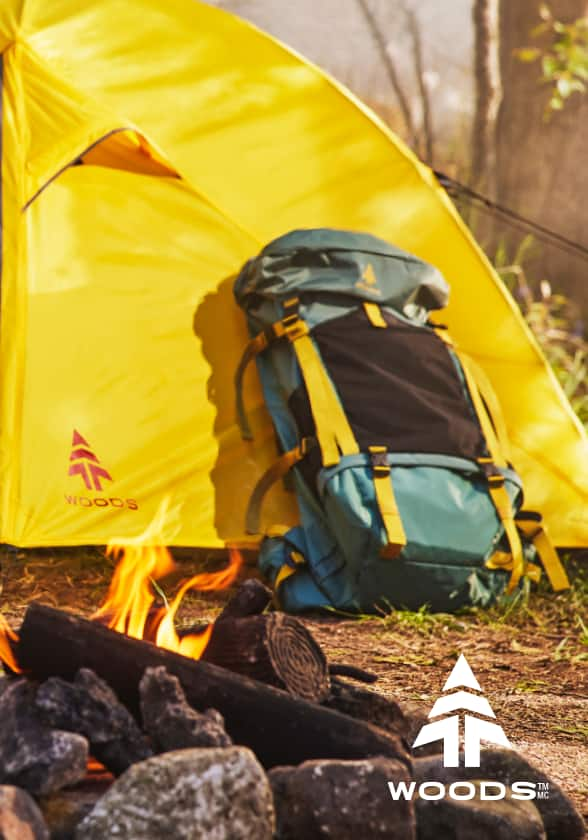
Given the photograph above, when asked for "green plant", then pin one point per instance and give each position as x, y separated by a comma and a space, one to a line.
563, 55
555, 321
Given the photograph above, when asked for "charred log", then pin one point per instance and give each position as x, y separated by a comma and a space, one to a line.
369, 706
339, 669
251, 598
275, 649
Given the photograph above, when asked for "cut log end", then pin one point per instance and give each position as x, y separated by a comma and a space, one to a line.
276, 649
298, 658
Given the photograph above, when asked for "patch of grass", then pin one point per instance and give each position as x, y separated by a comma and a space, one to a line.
532, 686
414, 660
580, 732
555, 320
558, 615
422, 620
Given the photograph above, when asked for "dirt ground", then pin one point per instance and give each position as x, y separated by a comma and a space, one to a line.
531, 659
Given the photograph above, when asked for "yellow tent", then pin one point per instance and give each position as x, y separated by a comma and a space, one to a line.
199, 139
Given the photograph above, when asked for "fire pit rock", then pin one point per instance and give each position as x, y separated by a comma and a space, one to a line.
20, 818
347, 800
560, 817
218, 793
475, 819
169, 720
32, 756
90, 707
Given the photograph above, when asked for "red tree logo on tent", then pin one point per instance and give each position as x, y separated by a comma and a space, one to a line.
85, 463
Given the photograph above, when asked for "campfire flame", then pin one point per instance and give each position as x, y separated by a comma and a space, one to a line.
128, 607
130, 603
6, 637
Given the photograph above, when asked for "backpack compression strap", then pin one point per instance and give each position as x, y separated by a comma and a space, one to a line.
274, 473
532, 526
495, 479
529, 524
386, 501
494, 440
333, 431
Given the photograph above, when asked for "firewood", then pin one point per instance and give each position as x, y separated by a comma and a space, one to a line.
279, 728
369, 706
275, 649
251, 598
339, 669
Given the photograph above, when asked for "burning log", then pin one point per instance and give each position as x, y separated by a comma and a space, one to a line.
275, 649
251, 598
279, 728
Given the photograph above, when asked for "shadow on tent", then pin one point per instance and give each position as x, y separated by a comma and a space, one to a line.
219, 325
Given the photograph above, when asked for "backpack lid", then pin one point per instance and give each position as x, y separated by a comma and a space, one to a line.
344, 262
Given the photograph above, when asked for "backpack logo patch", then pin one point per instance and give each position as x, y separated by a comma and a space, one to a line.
447, 727
85, 463
368, 281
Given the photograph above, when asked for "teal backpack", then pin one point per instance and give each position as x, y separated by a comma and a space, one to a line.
390, 437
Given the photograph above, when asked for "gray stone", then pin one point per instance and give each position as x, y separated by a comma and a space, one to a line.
90, 707
346, 800
169, 720
20, 818
6, 682
196, 794
32, 756
476, 819
560, 818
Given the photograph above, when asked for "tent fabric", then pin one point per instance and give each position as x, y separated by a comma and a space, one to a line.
200, 139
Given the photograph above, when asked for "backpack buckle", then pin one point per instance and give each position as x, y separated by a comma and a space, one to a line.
294, 327
291, 325
305, 446
379, 460
493, 476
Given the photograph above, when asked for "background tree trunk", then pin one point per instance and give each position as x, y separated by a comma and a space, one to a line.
541, 165
488, 92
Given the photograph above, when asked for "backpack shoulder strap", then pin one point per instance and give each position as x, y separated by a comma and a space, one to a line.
333, 431
497, 458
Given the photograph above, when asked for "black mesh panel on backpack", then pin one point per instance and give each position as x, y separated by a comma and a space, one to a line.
399, 388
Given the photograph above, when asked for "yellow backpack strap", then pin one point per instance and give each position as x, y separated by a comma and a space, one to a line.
488, 394
503, 560
498, 447
289, 568
382, 476
274, 473
533, 528
496, 486
504, 509
333, 431
374, 314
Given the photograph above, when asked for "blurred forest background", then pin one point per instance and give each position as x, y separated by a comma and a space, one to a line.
492, 93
